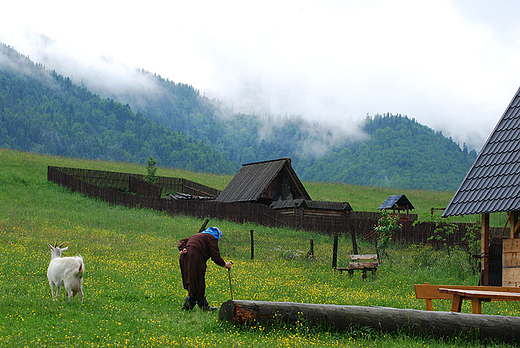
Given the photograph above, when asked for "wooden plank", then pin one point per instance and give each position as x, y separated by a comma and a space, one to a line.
511, 276
511, 259
511, 245
511, 262
484, 263
362, 265
363, 257
513, 218
484, 294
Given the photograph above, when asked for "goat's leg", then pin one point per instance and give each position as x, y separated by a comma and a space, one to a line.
58, 287
52, 289
80, 292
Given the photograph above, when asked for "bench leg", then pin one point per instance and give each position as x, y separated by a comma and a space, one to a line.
374, 274
476, 306
351, 272
429, 304
364, 274
456, 305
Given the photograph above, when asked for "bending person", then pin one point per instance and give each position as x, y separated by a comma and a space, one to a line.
194, 252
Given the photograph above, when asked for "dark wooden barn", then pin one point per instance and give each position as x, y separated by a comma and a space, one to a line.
264, 182
493, 185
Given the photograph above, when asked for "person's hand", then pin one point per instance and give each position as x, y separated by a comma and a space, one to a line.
183, 251
228, 264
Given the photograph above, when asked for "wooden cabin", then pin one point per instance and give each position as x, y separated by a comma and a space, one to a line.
264, 182
493, 185
398, 204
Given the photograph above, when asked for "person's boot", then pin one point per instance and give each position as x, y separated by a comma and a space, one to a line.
204, 305
188, 304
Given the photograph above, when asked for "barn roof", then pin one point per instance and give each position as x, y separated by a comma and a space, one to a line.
396, 201
309, 204
253, 178
493, 182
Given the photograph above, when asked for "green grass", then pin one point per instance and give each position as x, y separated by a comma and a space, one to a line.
133, 290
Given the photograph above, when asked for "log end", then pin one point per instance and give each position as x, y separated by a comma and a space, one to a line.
238, 312
226, 311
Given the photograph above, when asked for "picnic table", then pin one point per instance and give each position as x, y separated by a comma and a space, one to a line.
476, 297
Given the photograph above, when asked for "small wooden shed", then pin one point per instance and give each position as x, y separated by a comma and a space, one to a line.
304, 207
264, 182
493, 185
398, 203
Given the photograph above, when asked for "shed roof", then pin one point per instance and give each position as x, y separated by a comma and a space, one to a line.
396, 201
310, 204
253, 178
493, 182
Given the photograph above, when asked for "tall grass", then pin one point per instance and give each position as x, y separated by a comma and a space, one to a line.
133, 290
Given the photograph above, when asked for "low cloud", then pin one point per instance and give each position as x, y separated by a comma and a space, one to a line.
450, 64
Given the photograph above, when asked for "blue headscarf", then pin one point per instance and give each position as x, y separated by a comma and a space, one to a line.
214, 231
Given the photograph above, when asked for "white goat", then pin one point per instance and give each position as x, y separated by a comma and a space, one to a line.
65, 271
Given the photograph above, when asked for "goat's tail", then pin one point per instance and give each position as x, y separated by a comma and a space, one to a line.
81, 268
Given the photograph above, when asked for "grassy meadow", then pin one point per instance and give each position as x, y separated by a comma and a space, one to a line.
133, 290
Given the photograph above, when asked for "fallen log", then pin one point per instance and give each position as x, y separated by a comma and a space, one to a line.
495, 327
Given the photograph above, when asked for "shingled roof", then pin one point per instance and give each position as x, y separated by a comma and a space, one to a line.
253, 179
396, 201
493, 182
308, 204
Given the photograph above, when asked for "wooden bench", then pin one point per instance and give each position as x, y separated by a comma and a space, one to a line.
431, 292
364, 263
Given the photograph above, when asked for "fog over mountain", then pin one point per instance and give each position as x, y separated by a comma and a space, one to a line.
46, 112
450, 64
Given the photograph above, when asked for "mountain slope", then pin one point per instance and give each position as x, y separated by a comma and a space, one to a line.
44, 112
41, 111
399, 153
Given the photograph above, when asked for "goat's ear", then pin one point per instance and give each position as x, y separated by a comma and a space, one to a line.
50, 246
64, 249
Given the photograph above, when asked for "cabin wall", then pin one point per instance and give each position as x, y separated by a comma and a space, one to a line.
511, 262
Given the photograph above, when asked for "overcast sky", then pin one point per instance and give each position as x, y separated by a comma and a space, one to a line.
452, 65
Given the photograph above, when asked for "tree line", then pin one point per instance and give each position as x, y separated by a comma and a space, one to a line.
42, 111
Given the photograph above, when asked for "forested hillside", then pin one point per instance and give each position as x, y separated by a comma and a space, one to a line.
239, 137
399, 153
42, 111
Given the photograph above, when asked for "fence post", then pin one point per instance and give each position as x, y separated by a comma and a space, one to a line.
335, 251
311, 251
252, 245
354, 242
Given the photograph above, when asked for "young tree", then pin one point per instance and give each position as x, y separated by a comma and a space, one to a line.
386, 227
150, 176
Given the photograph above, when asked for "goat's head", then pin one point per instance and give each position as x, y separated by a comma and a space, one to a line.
57, 250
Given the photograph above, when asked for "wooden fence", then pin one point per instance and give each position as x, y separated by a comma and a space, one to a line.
361, 222
121, 181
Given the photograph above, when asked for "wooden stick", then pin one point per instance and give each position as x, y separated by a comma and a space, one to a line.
230, 287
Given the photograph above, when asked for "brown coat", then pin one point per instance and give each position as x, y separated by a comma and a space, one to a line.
201, 247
